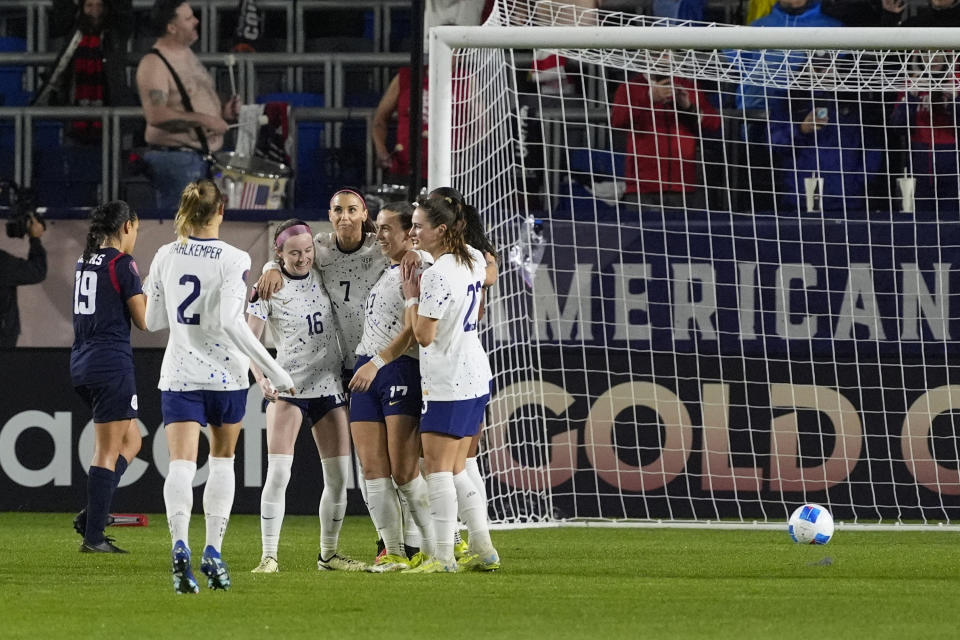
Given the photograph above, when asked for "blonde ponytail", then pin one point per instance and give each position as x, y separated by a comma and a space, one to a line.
199, 203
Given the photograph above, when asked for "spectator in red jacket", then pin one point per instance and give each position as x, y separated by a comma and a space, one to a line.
664, 118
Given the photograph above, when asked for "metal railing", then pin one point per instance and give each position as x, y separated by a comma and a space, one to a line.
37, 17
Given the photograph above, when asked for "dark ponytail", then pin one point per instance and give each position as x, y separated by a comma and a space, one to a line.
473, 230
106, 221
443, 211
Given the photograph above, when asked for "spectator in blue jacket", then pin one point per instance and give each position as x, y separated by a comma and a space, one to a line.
831, 136
757, 100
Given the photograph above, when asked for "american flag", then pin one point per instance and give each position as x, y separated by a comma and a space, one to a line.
254, 196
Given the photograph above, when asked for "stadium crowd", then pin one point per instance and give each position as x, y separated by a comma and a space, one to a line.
764, 133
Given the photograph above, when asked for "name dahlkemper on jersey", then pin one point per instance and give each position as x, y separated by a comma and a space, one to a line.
198, 250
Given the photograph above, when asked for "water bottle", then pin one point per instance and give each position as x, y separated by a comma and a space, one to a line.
528, 253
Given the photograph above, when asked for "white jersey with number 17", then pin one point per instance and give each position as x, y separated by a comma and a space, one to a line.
197, 288
454, 366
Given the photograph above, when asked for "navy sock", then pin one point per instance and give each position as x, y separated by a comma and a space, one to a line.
120, 467
100, 487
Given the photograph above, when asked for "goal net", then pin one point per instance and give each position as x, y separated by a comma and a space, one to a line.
727, 264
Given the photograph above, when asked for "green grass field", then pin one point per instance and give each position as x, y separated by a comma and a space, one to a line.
555, 583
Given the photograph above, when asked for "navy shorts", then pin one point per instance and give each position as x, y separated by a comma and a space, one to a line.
214, 407
313, 408
111, 400
395, 391
457, 418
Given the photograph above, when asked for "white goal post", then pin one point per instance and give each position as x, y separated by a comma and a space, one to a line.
711, 358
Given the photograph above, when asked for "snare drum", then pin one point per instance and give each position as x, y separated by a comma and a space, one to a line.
250, 183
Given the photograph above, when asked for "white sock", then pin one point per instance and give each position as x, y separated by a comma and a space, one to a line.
385, 512
415, 496
218, 499
443, 509
333, 503
473, 513
411, 532
273, 501
178, 498
473, 470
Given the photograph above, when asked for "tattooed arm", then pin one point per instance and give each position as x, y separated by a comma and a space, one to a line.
165, 111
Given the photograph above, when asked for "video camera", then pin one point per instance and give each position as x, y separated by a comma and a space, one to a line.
23, 207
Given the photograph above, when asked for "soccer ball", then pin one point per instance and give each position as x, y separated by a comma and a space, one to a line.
810, 524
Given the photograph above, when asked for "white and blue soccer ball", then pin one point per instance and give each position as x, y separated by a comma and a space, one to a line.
810, 524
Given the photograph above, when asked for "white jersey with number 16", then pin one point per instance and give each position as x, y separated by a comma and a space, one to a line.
454, 366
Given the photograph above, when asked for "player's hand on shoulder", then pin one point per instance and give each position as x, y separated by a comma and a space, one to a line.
269, 283
411, 284
409, 262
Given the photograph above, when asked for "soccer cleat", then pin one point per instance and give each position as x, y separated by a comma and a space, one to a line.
477, 562
433, 565
106, 546
388, 563
417, 559
410, 551
213, 566
460, 549
183, 580
340, 563
267, 565
381, 553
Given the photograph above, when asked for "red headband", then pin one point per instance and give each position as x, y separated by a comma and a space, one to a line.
289, 232
351, 192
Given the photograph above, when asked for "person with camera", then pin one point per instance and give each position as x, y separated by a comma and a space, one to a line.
664, 119
16, 271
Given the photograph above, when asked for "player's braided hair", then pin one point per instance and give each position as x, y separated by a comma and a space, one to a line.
199, 203
443, 211
106, 221
474, 233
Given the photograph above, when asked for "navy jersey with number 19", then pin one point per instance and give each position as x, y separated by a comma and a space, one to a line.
101, 318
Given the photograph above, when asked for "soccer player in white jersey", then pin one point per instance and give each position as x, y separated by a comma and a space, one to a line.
385, 402
476, 237
350, 263
443, 309
301, 321
197, 289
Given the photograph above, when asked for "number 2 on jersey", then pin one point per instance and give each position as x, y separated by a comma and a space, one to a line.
473, 290
194, 282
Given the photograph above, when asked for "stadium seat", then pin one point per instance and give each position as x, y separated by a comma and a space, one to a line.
11, 76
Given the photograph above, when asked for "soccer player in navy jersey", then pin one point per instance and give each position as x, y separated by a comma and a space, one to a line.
197, 289
107, 295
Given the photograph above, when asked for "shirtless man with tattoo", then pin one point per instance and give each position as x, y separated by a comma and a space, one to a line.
179, 138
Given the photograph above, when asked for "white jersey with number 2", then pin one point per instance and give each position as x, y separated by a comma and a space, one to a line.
197, 289
454, 366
